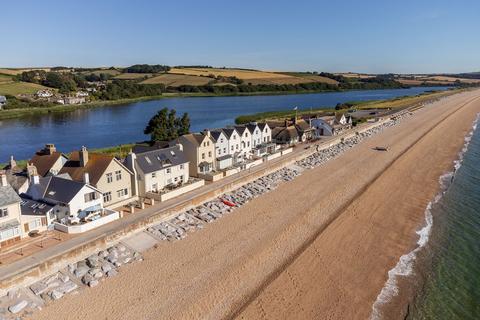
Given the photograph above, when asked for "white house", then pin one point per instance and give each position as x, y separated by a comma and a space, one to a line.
331, 125
44, 94
234, 144
255, 133
3, 102
159, 169
223, 156
266, 132
246, 141
72, 200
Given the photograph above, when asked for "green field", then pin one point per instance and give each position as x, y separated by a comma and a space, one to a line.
280, 115
15, 88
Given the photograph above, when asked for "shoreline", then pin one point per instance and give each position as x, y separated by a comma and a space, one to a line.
307, 287
31, 112
400, 277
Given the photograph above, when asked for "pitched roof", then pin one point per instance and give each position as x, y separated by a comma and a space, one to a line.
216, 134
195, 138
56, 189
338, 116
16, 177
141, 148
302, 125
229, 132
32, 207
285, 133
159, 159
8, 196
3, 99
251, 127
44, 162
96, 166
262, 125
240, 129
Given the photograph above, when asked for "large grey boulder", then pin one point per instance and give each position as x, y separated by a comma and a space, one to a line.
16, 308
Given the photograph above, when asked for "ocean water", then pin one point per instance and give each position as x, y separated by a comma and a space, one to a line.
447, 269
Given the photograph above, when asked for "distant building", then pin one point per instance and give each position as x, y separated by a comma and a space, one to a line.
331, 125
3, 102
80, 94
223, 157
44, 94
74, 100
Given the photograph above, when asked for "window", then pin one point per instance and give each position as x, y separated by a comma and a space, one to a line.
231, 148
122, 193
224, 150
3, 212
109, 177
154, 187
248, 143
203, 156
221, 140
154, 174
118, 175
107, 197
169, 181
209, 153
169, 170
236, 147
148, 160
90, 196
181, 167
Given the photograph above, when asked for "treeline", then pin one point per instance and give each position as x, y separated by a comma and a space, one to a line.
146, 68
64, 82
249, 88
119, 89
383, 81
15, 103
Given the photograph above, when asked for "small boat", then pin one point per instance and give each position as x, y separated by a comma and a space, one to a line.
228, 203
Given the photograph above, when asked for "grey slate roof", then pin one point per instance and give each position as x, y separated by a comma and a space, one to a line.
8, 196
31, 207
55, 189
262, 125
216, 134
251, 127
228, 132
159, 159
3, 99
241, 129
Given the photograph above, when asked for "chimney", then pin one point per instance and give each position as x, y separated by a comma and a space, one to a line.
36, 179
31, 170
83, 154
206, 132
86, 178
179, 146
13, 163
286, 123
50, 148
3, 178
130, 162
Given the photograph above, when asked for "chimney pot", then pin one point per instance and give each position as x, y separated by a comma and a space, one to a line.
13, 163
83, 155
86, 178
3, 178
36, 179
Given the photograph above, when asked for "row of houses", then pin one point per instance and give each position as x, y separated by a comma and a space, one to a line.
84, 190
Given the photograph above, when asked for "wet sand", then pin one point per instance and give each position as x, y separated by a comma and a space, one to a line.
318, 247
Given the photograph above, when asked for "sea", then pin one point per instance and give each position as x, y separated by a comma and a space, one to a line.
441, 276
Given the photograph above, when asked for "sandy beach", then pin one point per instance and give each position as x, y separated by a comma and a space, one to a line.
318, 247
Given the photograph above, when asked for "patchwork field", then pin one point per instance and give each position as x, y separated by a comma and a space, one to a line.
133, 76
175, 80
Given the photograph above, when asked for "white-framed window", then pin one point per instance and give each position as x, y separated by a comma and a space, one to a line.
169, 170
109, 177
224, 150
181, 167
209, 153
122, 192
154, 174
3, 212
203, 156
118, 175
107, 197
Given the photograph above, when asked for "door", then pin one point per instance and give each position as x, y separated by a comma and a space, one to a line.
26, 227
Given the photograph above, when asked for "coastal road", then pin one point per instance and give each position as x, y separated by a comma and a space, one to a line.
318, 247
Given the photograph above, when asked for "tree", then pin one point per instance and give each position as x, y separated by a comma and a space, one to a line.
165, 126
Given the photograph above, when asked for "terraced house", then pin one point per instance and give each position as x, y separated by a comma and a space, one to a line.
199, 150
106, 173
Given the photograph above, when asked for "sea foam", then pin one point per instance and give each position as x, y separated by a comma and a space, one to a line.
404, 267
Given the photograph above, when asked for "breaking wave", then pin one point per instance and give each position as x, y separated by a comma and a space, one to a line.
404, 267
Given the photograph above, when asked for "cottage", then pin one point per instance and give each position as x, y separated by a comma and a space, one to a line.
234, 144
304, 130
10, 227
199, 150
105, 173
37, 216
286, 135
158, 169
48, 161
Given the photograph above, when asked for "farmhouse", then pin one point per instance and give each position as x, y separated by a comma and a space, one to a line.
106, 173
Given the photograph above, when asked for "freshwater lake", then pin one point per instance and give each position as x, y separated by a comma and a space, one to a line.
114, 125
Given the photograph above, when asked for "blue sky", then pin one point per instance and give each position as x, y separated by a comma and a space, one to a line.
363, 36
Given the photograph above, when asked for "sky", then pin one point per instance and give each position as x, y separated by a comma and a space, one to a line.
334, 36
